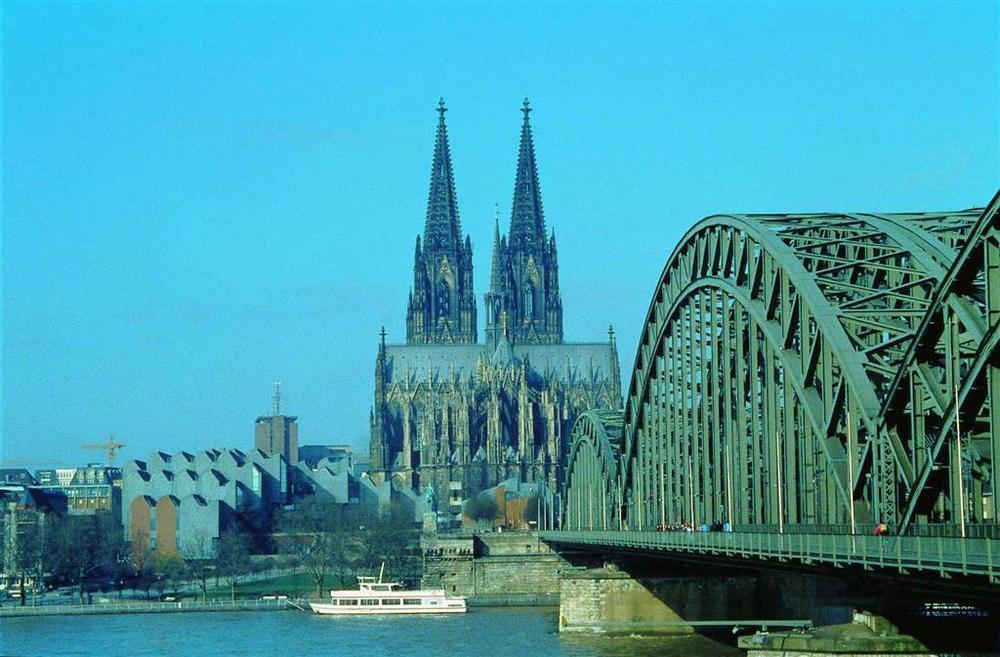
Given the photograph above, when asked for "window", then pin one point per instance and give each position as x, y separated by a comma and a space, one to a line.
256, 481
443, 299
391, 601
369, 602
529, 301
347, 602
411, 601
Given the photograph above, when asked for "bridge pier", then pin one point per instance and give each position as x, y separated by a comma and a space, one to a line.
609, 600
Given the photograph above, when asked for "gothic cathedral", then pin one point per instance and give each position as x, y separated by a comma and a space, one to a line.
460, 416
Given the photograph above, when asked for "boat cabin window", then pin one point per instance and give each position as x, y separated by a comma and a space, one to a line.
347, 601
368, 602
411, 601
390, 601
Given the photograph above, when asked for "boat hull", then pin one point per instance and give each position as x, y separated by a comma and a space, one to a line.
324, 609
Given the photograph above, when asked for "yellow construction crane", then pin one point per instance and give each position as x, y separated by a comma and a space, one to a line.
111, 446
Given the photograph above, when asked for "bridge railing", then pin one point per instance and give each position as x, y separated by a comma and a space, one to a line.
932, 530
945, 556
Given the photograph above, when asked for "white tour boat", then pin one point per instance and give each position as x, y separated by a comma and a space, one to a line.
377, 597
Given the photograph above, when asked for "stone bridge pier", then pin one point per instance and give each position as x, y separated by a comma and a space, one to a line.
623, 600
816, 613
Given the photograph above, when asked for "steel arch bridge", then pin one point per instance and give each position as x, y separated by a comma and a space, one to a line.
809, 374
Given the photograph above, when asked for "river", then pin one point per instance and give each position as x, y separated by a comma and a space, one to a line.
521, 632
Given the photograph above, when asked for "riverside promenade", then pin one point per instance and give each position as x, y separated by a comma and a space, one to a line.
154, 607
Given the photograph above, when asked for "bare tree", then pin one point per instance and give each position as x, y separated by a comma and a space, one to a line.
169, 569
388, 538
82, 545
232, 558
27, 556
320, 536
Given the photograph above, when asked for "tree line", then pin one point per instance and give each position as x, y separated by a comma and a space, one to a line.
337, 541
327, 541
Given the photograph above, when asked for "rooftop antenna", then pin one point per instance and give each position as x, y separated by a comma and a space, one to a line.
277, 397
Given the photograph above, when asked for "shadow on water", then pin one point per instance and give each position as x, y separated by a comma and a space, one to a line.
695, 645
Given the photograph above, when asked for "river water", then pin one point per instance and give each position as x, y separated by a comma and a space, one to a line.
523, 632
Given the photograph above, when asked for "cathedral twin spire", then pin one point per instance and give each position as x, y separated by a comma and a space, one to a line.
442, 304
524, 285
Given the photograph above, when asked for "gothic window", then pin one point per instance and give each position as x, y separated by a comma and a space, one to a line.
443, 300
529, 301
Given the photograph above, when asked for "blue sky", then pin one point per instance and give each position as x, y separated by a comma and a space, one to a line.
199, 200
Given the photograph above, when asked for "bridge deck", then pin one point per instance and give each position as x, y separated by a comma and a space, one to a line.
905, 554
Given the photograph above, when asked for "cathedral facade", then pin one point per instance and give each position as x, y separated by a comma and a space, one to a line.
451, 413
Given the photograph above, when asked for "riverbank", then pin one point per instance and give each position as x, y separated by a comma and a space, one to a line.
153, 608
289, 604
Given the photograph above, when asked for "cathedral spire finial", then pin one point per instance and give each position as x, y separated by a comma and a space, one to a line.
527, 220
442, 226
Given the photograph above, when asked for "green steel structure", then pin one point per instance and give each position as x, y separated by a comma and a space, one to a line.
809, 375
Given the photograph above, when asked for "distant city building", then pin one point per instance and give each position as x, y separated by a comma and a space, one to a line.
18, 476
277, 433
457, 416
24, 510
88, 490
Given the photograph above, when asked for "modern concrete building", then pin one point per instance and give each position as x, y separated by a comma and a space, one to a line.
277, 433
182, 502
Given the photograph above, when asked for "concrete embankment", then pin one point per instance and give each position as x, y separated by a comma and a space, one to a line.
152, 608
868, 635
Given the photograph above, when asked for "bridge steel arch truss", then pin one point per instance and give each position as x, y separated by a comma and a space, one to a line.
943, 407
593, 477
780, 364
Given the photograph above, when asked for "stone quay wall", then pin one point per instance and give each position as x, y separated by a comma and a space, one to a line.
510, 568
